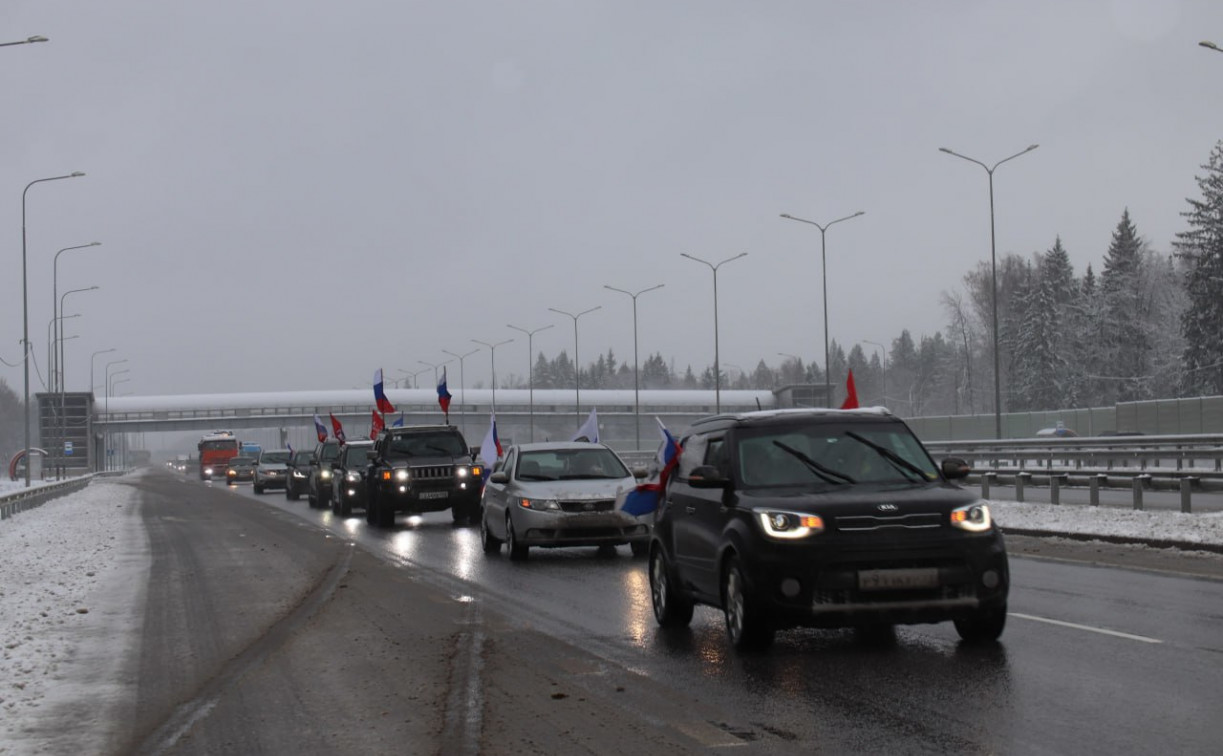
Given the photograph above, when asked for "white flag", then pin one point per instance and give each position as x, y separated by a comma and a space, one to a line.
589, 430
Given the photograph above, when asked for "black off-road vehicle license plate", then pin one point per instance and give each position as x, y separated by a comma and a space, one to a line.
888, 580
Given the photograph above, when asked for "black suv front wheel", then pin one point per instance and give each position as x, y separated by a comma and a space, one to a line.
747, 627
983, 627
670, 608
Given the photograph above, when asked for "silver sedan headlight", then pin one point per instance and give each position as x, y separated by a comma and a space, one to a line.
540, 505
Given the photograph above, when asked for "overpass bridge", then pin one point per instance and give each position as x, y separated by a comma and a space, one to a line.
85, 422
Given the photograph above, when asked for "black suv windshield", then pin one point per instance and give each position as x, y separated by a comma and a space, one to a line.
329, 452
831, 454
428, 444
356, 456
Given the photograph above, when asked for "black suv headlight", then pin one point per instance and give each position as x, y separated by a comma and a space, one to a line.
974, 518
789, 526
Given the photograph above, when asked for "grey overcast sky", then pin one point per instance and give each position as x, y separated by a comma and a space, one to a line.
292, 194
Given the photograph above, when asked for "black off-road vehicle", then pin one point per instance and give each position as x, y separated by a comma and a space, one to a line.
420, 469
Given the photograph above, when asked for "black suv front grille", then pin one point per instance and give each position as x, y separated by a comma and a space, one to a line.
433, 472
914, 521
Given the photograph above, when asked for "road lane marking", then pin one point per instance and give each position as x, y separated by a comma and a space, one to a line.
1088, 628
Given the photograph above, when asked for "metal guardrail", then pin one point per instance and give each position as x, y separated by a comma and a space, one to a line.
28, 498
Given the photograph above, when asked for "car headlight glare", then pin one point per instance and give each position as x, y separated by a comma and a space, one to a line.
540, 505
789, 526
297, 474
974, 518
325, 474
462, 472
352, 477
402, 474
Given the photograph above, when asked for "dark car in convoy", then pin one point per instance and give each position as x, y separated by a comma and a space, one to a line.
240, 470
297, 476
271, 469
318, 485
823, 518
418, 469
348, 478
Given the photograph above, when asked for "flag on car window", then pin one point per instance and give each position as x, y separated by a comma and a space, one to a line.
320, 429
443, 396
376, 426
645, 498
337, 429
399, 422
589, 430
384, 404
851, 398
490, 449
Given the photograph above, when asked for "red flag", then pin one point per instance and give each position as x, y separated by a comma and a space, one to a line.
337, 429
851, 400
376, 426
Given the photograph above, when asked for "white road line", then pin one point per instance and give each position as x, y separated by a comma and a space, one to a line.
1139, 638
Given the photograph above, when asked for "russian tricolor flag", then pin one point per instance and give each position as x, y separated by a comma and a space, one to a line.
384, 404
490, 449
645, 498
320, 429
443, 396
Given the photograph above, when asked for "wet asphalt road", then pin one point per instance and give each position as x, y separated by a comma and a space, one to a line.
1094, 659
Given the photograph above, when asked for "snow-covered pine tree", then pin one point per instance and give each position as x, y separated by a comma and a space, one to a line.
1201, 248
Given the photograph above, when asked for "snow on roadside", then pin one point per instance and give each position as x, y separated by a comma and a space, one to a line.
72, 580
1110, 521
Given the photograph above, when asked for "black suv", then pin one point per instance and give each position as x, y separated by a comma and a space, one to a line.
318, 484
420, 469
348, 478
823, 518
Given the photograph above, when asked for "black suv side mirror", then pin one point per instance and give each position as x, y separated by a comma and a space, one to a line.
707, 476
955, 468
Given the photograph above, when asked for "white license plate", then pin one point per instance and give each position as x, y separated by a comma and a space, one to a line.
887, 580
433, 494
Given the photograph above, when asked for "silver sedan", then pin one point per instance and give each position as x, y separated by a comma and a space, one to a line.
559, 494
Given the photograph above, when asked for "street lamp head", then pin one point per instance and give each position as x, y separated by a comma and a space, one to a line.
40, 38
75, 174
944, 149
787, 215
94, 244
1031, 147
1209, 45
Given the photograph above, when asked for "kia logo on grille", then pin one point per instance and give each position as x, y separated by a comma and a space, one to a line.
888, 508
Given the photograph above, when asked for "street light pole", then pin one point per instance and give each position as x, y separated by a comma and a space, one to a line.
636, 369
92, 446
462, 393
492, 352
55, 291
824, 274
993, 256
577, 365
883, 365
25, 312
531, 369
717, 365
106, 409
123, 438
59, 362
26, 41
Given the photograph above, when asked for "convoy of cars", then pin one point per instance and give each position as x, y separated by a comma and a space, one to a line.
777, 518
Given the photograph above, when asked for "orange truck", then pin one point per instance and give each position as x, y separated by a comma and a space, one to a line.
216, 449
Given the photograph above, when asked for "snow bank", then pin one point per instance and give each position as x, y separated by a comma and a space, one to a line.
1110, 521
72, 580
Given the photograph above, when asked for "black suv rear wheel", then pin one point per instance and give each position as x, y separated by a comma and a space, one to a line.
671, 609
747, 627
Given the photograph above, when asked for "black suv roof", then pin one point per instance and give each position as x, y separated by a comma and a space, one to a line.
784, 416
